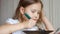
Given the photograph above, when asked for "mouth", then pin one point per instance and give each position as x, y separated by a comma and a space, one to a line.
35, 19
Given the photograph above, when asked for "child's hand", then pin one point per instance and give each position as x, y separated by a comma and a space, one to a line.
30, 23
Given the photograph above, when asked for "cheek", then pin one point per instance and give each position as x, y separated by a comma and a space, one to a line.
38, 16
30, 14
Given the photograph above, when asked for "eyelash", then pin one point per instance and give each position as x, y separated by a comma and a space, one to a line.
37, 13
32, 11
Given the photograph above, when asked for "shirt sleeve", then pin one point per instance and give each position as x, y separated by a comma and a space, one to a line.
12, 21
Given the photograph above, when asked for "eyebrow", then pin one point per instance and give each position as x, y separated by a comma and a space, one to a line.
36, 10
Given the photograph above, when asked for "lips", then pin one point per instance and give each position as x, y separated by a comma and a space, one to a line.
35, 19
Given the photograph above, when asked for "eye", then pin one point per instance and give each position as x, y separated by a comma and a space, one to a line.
33, 11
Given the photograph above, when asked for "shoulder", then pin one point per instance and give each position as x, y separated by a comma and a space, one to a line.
12, 21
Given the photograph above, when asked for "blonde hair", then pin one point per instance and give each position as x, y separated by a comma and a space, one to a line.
25, 3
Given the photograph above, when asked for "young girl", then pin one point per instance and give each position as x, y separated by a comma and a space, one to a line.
20, 21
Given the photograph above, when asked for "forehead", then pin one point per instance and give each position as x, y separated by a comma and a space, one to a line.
35, 6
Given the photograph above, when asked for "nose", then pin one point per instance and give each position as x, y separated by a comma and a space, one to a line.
36, 16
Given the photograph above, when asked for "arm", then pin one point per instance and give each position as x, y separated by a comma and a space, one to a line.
8, 28
48, 25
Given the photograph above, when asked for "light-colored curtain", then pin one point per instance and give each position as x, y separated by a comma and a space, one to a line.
52, 11
7, 9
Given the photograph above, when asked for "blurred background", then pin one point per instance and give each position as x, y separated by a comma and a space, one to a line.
51, 9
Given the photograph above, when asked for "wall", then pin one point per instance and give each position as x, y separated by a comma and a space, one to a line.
7, 9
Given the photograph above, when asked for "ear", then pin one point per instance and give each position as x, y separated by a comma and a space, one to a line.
22, 10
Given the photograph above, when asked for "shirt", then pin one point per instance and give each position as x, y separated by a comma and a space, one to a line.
16, 21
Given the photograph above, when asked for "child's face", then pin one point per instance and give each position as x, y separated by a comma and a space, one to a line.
33, 10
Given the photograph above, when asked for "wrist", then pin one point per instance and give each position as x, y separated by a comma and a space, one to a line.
22, 25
